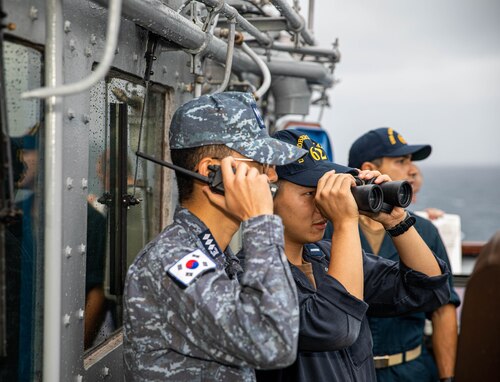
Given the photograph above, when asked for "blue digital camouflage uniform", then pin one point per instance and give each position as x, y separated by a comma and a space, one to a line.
187, 314
216, 329
399, 334
335, 343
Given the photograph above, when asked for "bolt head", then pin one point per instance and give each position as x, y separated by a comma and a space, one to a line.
67, 251
105, 371
33, 13
82, 248
66, 320
67, 26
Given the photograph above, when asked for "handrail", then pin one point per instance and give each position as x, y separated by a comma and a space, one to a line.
53, 174
472, 248
266, 82
102, 69
332, 55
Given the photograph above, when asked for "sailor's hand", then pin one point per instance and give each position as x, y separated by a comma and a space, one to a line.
334, 198
246, 191
378, 178
397, 215
373, 174
434, 213
387, 220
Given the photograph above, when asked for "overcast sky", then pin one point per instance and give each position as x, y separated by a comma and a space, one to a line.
430, 69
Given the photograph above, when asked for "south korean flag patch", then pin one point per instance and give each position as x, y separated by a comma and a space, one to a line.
188, 268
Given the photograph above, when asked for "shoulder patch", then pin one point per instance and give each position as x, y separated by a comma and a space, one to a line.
189, 267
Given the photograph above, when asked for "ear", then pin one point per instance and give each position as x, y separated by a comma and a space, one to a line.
369, 166
204, 163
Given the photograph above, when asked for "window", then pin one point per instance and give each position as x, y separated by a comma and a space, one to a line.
21, 240
124, 194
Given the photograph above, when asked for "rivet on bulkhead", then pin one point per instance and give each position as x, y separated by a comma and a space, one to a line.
93, 39
85, 183
82, 248
67, 26
66, 319
67, 251
69, 183
33, 13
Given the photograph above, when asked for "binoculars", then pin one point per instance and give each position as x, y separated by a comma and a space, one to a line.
381, 197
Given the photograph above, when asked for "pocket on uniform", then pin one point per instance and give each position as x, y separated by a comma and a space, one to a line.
361, 350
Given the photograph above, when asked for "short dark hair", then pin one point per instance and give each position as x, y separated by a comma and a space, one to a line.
189, 159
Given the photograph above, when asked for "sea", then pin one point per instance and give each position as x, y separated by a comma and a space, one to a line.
472, 192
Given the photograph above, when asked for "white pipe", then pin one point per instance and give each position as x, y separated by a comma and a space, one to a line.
197, 89
229, 57
310, 23
113, 29
52, 321
266, 81
231, 13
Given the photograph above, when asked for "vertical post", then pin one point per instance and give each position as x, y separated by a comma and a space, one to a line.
3, 305
53, 195
5, 197
310, 16
118, 213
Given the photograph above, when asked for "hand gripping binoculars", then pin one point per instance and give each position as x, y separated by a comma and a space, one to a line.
381, 197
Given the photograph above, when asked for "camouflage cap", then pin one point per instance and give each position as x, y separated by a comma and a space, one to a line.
232, 119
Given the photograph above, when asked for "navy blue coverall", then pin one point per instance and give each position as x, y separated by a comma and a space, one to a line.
399, 334
335, 342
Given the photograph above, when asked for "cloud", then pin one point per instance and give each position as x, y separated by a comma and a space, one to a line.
427, 68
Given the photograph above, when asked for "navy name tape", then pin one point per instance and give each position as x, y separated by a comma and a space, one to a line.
209, 243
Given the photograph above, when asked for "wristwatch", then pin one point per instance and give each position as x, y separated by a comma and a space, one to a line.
403, 226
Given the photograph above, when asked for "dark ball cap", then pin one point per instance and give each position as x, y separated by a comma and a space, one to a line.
232, 119
307, 170
384, 142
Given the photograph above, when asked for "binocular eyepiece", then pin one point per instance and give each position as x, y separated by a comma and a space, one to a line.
381, 197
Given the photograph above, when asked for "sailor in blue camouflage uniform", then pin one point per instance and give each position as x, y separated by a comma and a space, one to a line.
337, 283
191, 313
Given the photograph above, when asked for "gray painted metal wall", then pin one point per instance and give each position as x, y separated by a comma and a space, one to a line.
84, 39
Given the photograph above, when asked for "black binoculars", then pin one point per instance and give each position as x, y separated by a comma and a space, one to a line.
381, 197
